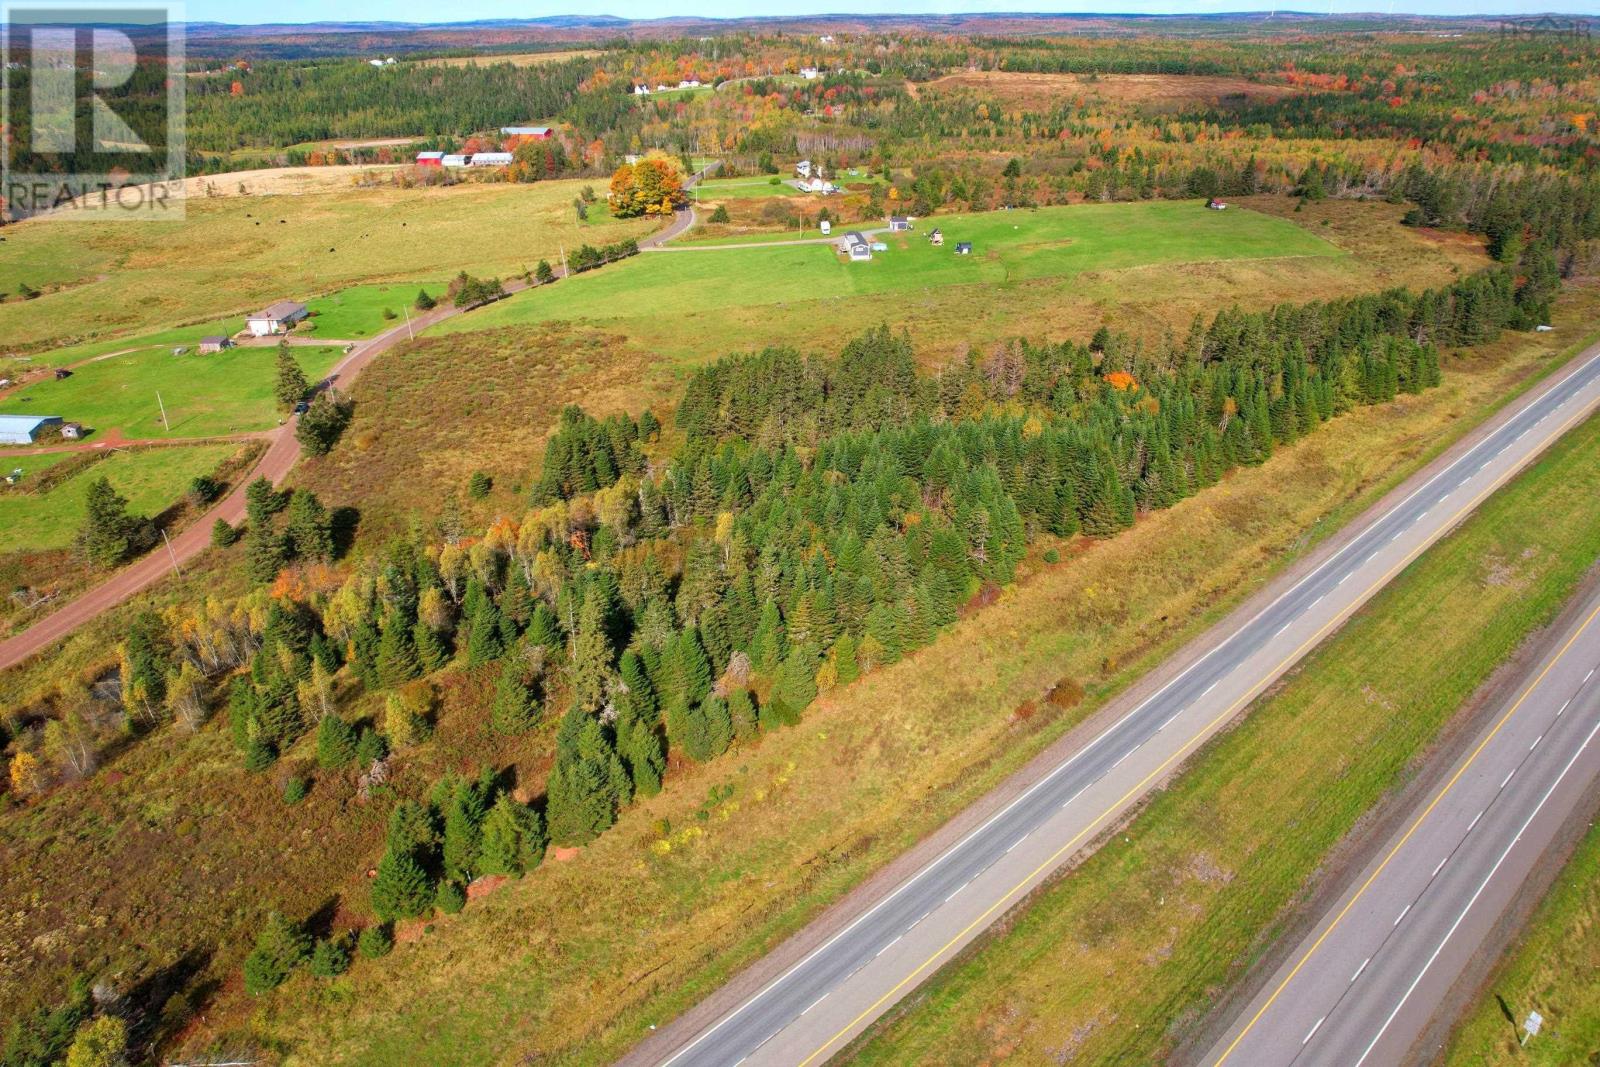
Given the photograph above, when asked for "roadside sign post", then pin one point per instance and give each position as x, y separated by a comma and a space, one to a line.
1530, 1026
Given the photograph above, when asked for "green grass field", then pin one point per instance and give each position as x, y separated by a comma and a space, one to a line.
227, 392
233, 255
357, 312
754, 187
1118, 961
1551, 969
1009, 248
151, 479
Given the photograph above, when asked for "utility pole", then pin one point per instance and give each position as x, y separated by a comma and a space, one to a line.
563, 261
410, 334
163, 408
173, 555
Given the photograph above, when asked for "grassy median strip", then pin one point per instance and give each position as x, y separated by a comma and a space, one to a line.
1118, 961
1551, 970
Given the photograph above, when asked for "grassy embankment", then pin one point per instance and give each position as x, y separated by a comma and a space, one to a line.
234, 254
1149, 268
1550, 970
574, 961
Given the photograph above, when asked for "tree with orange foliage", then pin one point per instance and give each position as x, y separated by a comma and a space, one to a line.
652, 186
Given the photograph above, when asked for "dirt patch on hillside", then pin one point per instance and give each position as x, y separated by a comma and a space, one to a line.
1156, 90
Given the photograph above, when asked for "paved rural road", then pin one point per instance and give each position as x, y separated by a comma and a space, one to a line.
1364, 985
282, 452
803, 1002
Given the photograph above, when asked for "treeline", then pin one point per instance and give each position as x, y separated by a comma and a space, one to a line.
278, 104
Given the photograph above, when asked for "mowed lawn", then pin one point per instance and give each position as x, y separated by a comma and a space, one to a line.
1008, 247
357, 312
151, 479
233, 255
227, 392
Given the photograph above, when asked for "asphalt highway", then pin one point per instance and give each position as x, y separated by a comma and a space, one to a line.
809, 1011
1364, 985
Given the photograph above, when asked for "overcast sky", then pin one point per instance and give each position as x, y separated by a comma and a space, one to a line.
432, 11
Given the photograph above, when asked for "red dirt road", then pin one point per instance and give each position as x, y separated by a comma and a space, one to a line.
275, 463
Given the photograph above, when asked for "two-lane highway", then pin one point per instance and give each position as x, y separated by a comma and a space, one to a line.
831, 993
1364, 985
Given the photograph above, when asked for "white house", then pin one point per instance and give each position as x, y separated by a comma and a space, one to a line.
855, 245
826, 38
641, 90
689, 83
803, 168
490, 159
810, 74
455, 160
278, 318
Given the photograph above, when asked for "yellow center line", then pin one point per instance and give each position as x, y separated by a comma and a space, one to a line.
1188, 746
1454, 778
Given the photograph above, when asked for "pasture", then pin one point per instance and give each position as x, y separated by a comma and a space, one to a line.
812, 308
228, 392
233, 255
1009, 247
151, 478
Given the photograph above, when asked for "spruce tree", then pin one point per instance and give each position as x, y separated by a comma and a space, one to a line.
742, 714
401, 889
516, 703
590, 663
107, 536
513, 838
291, 385
398, 662
336, 743
485, 641
587, 784
281, 946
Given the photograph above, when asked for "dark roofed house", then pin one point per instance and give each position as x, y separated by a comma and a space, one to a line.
278, 318
963, 248
214, 343
899, 222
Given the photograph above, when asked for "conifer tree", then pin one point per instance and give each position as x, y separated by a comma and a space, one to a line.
590, 663
513, 838
291, 385
401, 889
516, 703
281, 946
397, 662
336, 743
588, 783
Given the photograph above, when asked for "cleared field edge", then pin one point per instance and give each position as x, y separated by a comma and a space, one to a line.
920, 1012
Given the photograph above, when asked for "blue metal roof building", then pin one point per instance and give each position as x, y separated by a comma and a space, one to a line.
23, 429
